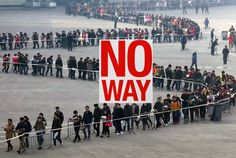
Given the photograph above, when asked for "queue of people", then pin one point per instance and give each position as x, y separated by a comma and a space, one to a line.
190, 106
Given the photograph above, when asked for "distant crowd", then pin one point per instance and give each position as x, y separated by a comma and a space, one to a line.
88, 69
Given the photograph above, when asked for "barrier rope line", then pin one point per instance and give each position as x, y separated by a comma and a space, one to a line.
219, 102
102, 38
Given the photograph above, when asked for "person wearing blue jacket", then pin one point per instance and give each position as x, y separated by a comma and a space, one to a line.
194, 60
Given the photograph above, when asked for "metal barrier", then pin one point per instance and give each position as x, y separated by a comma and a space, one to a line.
68, 130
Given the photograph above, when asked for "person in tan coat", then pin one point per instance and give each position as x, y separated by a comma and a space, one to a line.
9, 129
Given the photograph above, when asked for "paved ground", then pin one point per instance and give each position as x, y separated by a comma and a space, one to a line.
25, 95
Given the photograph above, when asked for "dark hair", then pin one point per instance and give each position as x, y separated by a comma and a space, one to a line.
75, 112
10, 120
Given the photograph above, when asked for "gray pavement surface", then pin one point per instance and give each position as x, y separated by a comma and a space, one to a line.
26, 95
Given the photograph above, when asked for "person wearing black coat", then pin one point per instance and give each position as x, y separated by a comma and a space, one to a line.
145, 111
59, 66
135, 116
213, 45
49, 65
28, 128
69, 41
59, 114
157, 109
118, 114
127, 116
56, 129
225, 53
80, 67
169, 77
87, 121
97, 114
20, 129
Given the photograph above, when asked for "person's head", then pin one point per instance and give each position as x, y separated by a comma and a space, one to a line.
168, 96
22, 119
9, 121
26, 118
87, 108
225, 46
158, 99
57, 109
95, 106
41, 114
105, 105
75, 112
39, 119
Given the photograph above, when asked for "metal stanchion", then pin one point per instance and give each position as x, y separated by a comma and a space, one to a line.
68, 131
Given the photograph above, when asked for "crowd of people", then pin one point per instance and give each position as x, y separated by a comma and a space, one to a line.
41, 66
191, 106
88, 69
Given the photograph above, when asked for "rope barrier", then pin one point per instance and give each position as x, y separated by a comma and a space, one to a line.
131, 117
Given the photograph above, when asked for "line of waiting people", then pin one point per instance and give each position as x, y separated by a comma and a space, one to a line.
42, 66
125, 118
88, 69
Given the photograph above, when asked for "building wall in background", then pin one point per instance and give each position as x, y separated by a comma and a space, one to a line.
11, 2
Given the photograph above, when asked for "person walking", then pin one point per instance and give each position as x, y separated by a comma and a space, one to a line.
225, 53
10, 131
194, 60
183, 42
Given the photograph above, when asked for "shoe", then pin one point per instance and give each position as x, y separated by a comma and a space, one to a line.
108, 136
84, 138
74, 141
40, 148
18, 152
7, 150
117, 133
121, 133
101, 136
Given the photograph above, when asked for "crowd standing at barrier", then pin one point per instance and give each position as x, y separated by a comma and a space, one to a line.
88, 69
190, 106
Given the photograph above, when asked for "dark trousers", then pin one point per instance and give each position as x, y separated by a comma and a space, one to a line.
96, 127
89, 132
168, 84
26, 140
80, 74
84, 75
127, 124
56, 137
9, 145
203, 112
49, 68
117, 125
158, 122
183, 46
40, 138
186, 114
166, 117
59, 72
77, 136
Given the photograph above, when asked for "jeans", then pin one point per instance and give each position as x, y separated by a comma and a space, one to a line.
89, 132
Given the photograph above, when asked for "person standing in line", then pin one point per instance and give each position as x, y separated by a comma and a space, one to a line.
39, 128
97, 114
28, 128
56, 129
59, 66
10, 131
20, 129
76, 119
87, 121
